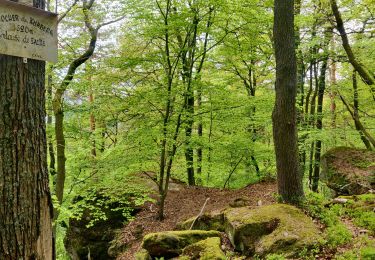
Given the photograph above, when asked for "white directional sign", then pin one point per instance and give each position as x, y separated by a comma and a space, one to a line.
27, 32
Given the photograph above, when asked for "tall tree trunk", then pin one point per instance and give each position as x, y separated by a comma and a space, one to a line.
167, 154
189, 151
311, 118
58, 100
309, 92
200, 134
319, 112
284, 115
319, 123
26, 209
366, 76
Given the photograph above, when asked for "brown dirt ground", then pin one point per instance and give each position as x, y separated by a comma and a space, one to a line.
185, 202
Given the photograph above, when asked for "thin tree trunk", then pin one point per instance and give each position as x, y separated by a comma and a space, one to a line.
313, 98
359, 127
92, 125
26, 208
364, 139
284, 115
319, 123
188, 67
311, 121
231, 172
209, 159
51, 150
333, 92
200, 134
60, 152
311, 164
58, 108
319, 113
309, 92
250, 84
300, 64
362, 71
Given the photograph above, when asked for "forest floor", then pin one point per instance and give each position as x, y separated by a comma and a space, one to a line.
184, 202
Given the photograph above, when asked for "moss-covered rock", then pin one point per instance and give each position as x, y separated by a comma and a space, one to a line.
208, 249
240, 202
349, 171
142, 255
208, 221
275, 228
171, 243
92, 235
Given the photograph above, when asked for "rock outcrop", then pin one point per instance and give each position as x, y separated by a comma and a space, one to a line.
172, 243
277, 228
208, 249
81, 241
349, 171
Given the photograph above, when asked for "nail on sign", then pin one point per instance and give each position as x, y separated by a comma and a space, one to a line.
27, 32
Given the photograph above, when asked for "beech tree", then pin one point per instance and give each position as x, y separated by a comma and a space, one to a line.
58, 99
26, 209
284, 114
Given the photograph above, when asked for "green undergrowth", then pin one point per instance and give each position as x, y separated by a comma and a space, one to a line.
336, 233
363, 248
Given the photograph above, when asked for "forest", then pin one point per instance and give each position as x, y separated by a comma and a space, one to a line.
192, 129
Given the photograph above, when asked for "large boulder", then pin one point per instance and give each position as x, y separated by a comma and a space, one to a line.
208, 221
349, 171
171, 243
83, 239
277, 228
208, 249
94, 231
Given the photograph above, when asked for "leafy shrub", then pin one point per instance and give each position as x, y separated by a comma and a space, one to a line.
364, 219
314, 205
368, 253
337, 235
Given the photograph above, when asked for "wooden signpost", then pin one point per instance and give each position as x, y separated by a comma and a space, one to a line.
27, 32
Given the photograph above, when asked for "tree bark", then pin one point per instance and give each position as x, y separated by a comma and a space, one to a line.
26, 208
284, 114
